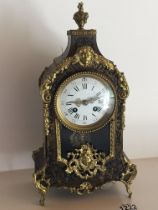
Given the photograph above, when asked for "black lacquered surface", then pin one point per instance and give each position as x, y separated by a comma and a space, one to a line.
99, 139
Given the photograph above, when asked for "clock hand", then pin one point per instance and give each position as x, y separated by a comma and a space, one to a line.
91, 100
77, 102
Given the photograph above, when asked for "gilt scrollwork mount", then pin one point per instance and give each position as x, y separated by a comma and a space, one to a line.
86, 162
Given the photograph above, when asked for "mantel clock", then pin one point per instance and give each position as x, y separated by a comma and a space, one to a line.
83, 96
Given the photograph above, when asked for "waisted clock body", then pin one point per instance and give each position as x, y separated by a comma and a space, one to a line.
83, 96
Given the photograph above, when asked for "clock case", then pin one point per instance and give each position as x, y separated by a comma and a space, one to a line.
81, 161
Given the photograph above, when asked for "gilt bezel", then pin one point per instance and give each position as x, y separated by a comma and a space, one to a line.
83, 128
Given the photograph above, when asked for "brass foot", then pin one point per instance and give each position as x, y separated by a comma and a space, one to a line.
128, 175
42, 200
128, 189
42, 184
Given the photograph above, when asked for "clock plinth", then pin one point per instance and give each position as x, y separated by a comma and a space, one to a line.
83, 96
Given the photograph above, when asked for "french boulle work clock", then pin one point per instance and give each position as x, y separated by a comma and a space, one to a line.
83, 96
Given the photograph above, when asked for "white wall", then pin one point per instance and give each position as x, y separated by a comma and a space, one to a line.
32, 32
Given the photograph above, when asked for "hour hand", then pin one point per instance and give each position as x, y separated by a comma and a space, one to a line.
77, 102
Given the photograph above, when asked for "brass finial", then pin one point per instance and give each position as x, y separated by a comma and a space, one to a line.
81, 17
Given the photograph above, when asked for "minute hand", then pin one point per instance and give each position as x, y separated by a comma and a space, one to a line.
78, 102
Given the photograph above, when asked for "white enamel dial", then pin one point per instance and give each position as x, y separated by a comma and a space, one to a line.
85, 100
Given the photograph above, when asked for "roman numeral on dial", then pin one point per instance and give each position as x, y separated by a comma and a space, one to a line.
76, 88
70, 110
84, 85
93, 88
67, 103
84, 117
98, 94
84, 79
77, 116
97, 109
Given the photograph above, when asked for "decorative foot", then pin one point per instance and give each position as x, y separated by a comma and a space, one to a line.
42, 184
42, 199
128, 189
129, 175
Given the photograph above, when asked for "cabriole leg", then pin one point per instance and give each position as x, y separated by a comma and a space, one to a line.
129, 175
42, 199
42, 184
128, 189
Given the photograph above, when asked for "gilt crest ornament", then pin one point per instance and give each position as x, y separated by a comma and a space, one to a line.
86, 162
